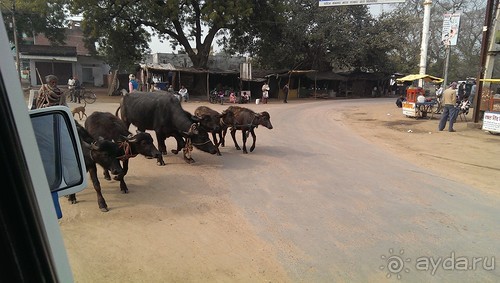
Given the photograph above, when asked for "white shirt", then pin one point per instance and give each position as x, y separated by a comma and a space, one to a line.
71, 83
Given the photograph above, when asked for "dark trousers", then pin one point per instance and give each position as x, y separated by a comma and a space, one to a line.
449, 112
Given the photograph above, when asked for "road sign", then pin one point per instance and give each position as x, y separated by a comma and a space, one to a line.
328, 3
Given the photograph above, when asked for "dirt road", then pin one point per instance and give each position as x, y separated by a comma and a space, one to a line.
332, 188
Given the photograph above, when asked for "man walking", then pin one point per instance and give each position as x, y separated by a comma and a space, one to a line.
285, 91
449, 110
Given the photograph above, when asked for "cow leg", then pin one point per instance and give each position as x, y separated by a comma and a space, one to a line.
222, 137
97, 187
254, 139
72, 198
160, 161
121, 177
160, 139
106, 174
244, 136
214, 137
233, 133
188, 148
180, 143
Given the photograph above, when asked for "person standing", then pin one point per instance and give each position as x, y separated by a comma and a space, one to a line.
265, 93
71, 88
449, 110
472, 94
133, 84
285, 91
49, 94
183, 92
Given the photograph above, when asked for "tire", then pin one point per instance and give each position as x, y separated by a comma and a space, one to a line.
89, 96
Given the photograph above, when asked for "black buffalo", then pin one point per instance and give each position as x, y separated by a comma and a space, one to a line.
162, 113
246, 121
110, 127
215, 123
102, 152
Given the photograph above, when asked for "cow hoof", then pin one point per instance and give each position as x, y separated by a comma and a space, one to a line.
251, 149
116, 178
107, 178
104, 209
174, 151
124, 191
219, 154
160, 163
238, 148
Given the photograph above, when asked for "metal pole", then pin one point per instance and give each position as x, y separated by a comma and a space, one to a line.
446, 64
425, 39
484, 54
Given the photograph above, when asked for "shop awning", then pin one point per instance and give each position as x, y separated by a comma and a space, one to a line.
495, 81
427, 78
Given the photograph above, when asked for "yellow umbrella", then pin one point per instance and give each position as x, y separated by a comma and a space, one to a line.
427, 78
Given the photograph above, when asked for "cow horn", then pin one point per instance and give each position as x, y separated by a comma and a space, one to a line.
94, 146
131, 138
193, 130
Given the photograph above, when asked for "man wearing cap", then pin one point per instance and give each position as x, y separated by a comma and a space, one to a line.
449, 111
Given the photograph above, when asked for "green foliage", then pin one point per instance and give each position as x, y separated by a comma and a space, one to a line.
34, 17
122, 29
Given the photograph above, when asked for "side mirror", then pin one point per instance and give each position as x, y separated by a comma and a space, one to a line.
60, 150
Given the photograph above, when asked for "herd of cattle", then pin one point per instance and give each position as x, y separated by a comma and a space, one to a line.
107, 141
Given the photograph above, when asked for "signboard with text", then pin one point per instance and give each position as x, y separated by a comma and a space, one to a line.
451, 24
491, 122
409, 109
327, 3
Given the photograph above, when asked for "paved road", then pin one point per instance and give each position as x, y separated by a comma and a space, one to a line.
332, 205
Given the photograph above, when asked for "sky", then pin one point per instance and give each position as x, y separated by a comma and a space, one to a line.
158, 47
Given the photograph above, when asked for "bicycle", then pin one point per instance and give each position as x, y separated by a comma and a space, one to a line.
87, 95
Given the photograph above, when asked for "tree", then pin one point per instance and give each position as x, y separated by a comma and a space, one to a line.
464, 58
34, 17
181, 22
300, 34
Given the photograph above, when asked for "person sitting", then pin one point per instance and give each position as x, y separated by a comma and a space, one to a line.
183, 92
232, 97
245, 97
399, 101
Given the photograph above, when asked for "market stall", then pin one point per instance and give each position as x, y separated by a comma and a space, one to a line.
412, 107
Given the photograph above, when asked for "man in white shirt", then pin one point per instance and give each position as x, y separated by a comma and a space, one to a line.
183, 92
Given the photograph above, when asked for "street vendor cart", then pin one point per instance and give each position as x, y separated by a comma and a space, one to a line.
414, 108
491, 118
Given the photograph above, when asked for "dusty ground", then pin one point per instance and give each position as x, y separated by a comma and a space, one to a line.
467, 155
176, 238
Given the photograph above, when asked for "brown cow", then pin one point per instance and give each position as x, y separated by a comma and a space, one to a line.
246, 121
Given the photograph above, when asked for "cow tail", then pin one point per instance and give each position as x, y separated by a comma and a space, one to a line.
118, 109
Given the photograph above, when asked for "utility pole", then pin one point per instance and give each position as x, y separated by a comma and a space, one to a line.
425, 39
18, 63
484, 53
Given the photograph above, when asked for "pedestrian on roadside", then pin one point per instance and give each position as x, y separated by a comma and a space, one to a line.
285, 91
183, 92
472, 94
265, 93
133, 84
449, 109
